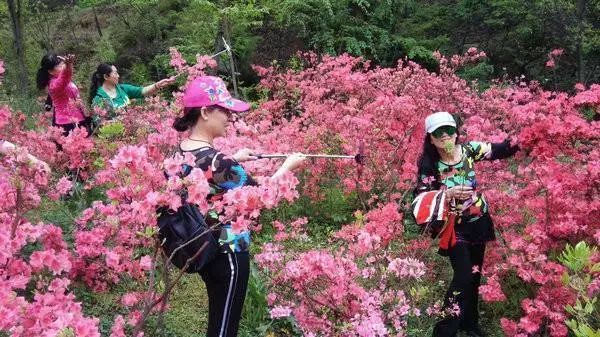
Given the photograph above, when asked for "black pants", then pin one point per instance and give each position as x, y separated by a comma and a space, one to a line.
86, 123
226, 279
463, 290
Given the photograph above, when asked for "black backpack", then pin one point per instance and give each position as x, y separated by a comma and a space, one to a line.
183, 233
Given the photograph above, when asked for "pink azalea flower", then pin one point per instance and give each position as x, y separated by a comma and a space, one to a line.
280, 311
146, 262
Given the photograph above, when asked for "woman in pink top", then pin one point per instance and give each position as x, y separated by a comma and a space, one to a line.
55, 74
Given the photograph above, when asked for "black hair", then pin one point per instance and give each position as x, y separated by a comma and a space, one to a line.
48, 103
49, 61
191, 115
188, 120
98, 79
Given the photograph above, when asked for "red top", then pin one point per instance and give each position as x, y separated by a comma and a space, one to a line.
65, 95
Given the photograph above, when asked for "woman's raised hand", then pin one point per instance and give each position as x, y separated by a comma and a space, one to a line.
293, 161
68, 59
165, 82
244, 155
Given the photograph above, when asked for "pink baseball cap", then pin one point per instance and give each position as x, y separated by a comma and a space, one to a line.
208, 91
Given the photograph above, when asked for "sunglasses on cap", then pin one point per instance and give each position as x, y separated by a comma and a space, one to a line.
447, 129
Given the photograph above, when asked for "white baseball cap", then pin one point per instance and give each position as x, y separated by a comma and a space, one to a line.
437, 119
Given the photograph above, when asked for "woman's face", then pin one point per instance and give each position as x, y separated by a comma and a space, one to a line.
112, 77
443, 137
217, 120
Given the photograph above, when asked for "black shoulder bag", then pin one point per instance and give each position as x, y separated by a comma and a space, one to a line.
183, 233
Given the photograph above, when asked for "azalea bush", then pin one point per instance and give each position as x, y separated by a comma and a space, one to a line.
544, 197
371, 275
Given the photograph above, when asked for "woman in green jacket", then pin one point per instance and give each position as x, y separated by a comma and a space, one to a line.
106, 91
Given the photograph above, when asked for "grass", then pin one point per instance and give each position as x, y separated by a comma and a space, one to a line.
186, 316
188, 308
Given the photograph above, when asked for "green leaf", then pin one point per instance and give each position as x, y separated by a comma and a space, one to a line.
572, 324
565, 279
586, 331
112, 130
578, 257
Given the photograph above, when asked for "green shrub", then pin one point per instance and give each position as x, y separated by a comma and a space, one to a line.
581, 271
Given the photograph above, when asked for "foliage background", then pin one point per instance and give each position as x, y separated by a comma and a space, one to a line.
135, 35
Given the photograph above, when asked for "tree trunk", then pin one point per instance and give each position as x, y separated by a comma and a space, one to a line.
227, 40
97, 22
71, 22
219, 46
581, 4
15, 10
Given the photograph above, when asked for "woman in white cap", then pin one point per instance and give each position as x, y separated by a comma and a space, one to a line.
208, 108
448, 204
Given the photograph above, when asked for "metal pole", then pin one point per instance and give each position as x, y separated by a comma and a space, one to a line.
306, 155
232, 65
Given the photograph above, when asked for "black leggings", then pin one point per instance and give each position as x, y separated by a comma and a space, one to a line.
463, 290
226, 279
86, 123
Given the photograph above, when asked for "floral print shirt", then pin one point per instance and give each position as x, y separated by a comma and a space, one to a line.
463, 173
223, 174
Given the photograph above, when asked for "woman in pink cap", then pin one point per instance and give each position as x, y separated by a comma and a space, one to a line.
56, 74
208, 107
450, 208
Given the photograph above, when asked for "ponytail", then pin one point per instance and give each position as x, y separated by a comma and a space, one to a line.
48, 62
98, 79
188, 120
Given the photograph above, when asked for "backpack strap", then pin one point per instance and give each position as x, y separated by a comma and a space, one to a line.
188, 168
213, 161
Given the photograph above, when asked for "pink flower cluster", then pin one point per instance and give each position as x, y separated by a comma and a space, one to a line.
50, 308
242, 206
553, 57
407, 267
473, 55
